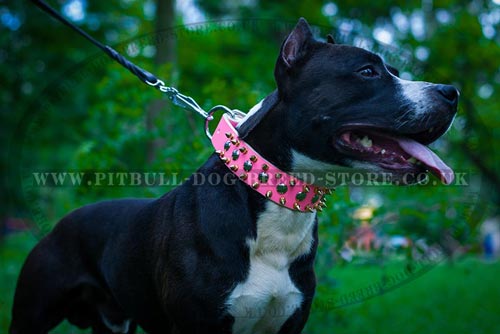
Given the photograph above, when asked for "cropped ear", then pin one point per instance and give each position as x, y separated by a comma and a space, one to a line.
296, 44
329, 39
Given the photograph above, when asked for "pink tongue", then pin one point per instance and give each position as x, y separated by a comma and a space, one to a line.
428, 158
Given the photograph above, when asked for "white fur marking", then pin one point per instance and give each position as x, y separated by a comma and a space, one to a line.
118, 329
316, 171
414, 91
267, 298
303, 164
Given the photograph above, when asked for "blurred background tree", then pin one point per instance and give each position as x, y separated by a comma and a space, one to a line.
66, 107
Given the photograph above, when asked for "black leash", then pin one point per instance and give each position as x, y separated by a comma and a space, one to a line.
173, 94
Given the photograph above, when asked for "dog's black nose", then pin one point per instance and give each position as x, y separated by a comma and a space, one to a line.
449, 93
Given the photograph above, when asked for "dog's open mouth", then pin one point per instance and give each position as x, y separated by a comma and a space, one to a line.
405, 157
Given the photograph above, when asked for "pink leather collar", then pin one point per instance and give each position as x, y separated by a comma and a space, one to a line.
265, 178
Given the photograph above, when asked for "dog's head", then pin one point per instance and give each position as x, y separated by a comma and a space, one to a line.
342, 105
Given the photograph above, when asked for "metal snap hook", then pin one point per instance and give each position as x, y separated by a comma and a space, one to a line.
235, 114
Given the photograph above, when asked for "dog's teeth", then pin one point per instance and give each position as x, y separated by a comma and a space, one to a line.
366, 142
412, 160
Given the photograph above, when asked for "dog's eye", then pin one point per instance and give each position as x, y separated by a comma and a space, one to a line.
368, 71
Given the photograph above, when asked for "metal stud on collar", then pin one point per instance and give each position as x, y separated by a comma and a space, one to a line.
260, 175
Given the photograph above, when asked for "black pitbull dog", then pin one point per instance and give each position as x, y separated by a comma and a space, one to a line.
223, 258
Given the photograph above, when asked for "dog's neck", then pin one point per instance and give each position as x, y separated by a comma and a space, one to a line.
268, 137
266, 174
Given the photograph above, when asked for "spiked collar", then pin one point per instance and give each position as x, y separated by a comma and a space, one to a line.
261, 175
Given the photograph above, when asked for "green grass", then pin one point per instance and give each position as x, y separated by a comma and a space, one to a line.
459, 298
463, 297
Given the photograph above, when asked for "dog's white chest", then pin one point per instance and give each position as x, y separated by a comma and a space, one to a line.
268, 297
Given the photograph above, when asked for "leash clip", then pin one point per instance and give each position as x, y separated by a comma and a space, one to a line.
189, 103
180, 100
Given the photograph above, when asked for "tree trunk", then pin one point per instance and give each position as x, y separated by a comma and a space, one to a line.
165, 54
165, 19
